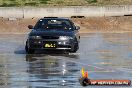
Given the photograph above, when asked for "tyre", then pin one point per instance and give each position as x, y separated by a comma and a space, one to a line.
85, 81
28, 50
75, 48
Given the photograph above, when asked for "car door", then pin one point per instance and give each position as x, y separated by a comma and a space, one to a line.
76, 31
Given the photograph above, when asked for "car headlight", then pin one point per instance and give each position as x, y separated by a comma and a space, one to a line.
35, 37
65, 37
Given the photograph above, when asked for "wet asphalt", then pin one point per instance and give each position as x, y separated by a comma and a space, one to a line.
103, 55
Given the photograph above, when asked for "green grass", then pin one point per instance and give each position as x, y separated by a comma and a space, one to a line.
19, 3
10, 3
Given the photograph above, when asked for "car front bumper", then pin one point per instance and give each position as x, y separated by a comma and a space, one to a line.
51, 44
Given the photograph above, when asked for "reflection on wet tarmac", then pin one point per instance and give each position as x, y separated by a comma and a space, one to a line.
105, 56
52, 71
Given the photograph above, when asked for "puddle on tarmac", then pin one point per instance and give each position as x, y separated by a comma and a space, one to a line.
105, 56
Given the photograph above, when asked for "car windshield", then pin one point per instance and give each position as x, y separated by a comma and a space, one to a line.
59, 24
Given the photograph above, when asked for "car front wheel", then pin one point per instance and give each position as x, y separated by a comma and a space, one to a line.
28, 50
75, 48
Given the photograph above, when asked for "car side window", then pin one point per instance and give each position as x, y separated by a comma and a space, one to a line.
39, 24
73, 25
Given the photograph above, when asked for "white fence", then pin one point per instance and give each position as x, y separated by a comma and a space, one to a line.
89, 11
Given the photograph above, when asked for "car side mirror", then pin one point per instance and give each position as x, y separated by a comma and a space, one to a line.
30, 26
77, 27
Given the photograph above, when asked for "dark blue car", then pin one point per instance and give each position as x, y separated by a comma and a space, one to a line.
52, 33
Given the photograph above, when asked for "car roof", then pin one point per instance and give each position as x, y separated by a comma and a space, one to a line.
54, 18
